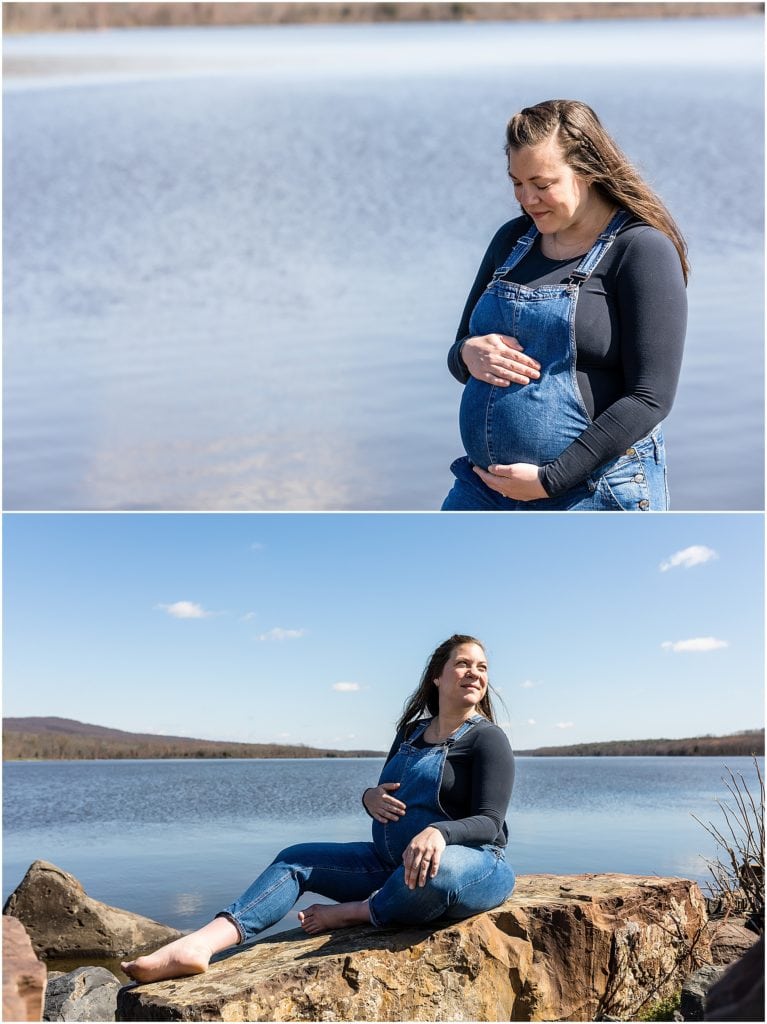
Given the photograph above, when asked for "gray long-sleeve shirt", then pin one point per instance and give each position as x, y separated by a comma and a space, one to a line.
630, 323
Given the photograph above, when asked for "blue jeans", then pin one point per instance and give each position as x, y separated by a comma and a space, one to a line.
470, 880
634, 482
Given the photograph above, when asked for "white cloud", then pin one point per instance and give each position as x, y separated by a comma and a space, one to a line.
282, 735
278, 633
248, 616
531, 721
697, 554
565, 725
256, 546
528, 684
696, 644
346, 687
185, 610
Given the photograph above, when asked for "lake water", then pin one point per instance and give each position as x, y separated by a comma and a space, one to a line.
177, 840
235, 258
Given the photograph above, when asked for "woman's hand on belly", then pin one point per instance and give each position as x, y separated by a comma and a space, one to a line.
519, 481
381, 804
422, 856
498, 359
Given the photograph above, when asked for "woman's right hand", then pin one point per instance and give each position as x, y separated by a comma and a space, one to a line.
381, 805
498, 359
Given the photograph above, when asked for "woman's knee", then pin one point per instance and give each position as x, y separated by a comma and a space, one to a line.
291, 854
470, 871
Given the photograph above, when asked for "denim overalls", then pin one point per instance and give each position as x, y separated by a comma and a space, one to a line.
470, 879
535, 422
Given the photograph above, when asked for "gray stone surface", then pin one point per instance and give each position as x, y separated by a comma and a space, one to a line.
739, 993
85, 994
694, 991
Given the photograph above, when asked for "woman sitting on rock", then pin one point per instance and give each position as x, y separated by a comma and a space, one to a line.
438, 844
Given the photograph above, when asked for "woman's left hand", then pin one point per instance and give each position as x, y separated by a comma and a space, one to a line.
519, 481
422, 856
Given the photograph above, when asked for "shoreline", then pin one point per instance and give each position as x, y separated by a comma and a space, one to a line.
53, 738
376, 757
27, 18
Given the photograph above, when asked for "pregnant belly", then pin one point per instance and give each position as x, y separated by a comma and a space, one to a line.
521, 423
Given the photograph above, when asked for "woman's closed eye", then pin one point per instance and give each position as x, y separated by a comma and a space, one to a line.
541, 187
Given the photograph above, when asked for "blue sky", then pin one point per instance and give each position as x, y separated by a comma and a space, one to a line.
314, 628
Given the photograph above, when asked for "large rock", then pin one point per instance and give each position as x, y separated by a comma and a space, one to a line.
23, 974
730, 939
85, 994
63, 921
695, 989
739, 993
562, 948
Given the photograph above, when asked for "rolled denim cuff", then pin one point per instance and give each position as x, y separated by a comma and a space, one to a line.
374, 919
235, 922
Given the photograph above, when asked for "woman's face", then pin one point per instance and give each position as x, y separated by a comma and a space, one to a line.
547, 188
463, 682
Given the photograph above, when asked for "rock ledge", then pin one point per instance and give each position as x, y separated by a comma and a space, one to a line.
562, 948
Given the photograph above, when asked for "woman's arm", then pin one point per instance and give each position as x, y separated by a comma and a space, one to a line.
378, 800
492, 779
652, 310
499, 248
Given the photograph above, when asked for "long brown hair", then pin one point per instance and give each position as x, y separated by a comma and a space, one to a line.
591, 152
426, 697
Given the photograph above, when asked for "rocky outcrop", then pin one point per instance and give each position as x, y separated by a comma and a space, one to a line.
63, 921
695, 989
85, 994
739, 993
563, 948
730, 939
23, 974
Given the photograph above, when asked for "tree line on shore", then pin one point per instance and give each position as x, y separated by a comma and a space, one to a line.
741, 744
72, 746
51, 746
52, 17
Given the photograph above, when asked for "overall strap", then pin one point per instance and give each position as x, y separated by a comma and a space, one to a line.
464, 729
588, 264
521, 249
419, 731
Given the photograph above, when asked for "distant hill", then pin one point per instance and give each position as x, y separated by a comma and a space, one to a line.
738, 744
64, 739
52, 17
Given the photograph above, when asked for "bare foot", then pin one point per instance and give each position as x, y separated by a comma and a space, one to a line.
322, 917
188, 955
175, 960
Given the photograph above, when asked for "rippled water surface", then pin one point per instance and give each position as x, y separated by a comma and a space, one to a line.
235, 259
177, 840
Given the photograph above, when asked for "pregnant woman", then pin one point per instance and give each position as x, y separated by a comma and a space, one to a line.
438, 830
571, 341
